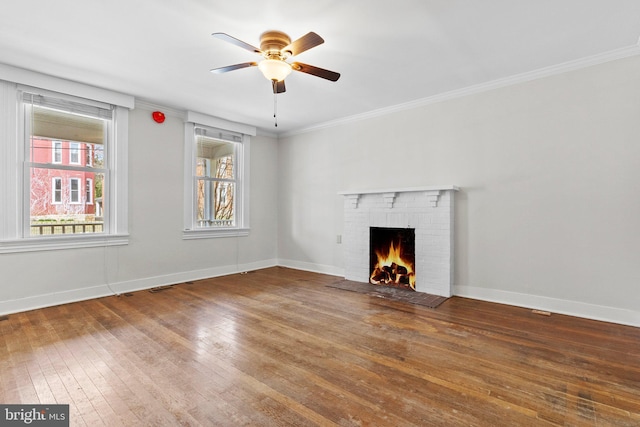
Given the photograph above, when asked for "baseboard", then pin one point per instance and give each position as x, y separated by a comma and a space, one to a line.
51, 299
312, 267
553, 305
170, 279
66, 297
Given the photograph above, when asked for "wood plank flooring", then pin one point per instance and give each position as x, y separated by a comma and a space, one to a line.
279, 347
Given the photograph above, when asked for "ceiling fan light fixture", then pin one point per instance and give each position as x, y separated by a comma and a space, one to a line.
274, 69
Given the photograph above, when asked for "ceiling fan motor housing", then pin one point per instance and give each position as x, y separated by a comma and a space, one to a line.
272, 42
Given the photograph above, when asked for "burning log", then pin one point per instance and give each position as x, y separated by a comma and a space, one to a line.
391, 274
379, 277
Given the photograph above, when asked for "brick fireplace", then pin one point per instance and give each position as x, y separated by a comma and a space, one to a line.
427, 210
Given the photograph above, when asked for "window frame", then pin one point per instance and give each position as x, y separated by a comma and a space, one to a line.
242, 135
14, 164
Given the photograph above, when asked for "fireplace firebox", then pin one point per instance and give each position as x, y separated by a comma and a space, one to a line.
392, 257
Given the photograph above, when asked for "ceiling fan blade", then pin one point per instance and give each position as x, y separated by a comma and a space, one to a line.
315, 71
233, 67
278, 87
305, 42
226, 37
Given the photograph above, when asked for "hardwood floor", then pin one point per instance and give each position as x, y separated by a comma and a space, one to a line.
280, 347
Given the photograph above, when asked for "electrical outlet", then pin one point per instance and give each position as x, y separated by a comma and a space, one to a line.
339, 238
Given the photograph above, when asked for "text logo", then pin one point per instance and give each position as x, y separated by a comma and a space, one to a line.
34, 415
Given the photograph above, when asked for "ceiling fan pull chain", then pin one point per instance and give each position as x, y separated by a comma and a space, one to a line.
275, 104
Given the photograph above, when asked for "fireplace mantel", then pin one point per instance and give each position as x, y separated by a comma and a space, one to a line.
401, 190
389, 195
429, 210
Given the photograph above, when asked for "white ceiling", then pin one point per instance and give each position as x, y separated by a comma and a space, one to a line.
389, 53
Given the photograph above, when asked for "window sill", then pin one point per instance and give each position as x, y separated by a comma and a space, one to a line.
213, 233
33, 244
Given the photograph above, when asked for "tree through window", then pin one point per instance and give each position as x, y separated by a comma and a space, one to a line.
216, 181
216, 177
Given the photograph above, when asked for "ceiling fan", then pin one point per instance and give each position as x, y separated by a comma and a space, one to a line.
276, 47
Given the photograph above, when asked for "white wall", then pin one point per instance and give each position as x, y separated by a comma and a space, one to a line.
548, 215
156, 254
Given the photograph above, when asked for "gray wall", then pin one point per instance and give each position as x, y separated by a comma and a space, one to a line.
548, 215
156, 254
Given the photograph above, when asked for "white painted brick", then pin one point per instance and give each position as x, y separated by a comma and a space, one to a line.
413, 209
397, 219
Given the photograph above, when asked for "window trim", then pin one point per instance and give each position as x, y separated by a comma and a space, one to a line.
242, 180
14, 229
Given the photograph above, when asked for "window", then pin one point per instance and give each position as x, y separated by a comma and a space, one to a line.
74, 190
56, 190
74, 153
55, 122
64, 151
56, 152
88, 192
88, 152
216, 180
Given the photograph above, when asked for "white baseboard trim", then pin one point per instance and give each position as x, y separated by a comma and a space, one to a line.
553, 305
75, 295
170, 279
312, 267
51, 299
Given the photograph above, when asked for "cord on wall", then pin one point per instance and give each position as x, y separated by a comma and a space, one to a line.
106, 271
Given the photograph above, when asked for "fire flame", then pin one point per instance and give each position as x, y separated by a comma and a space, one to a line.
393, 262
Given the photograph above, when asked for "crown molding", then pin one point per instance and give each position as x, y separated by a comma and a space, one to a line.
262, 132
22, 76
565, 67
145, 104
